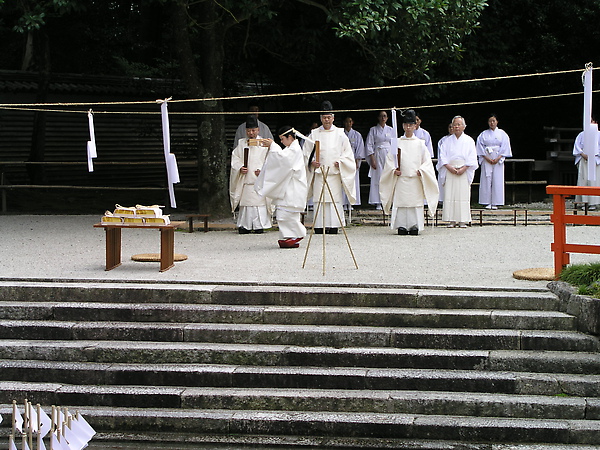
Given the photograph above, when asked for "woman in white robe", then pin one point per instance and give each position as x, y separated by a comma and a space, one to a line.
458, 162
493, 147
379, 144
283, 180
407, 181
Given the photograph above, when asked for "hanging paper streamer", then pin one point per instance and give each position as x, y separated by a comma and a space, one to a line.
91, 144
395, 133
590, 130
170, 160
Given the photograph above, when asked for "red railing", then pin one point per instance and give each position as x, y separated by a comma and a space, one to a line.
560, 219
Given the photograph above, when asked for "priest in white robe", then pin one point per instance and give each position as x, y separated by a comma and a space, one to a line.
254, 213
493, 147
263, 128
457, 162
283, 180
378, 145
335, 162
407, 179
582, 161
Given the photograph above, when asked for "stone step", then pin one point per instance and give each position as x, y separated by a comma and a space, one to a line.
288, 355
299, 295
311, 315
268, 424
314, 400
299, 377
304, 335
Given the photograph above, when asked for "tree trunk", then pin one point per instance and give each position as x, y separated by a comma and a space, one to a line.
41, 62
205, 82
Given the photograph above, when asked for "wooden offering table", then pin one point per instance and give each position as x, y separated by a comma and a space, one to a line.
113, 242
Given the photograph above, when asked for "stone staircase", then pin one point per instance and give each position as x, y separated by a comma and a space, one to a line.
326, 366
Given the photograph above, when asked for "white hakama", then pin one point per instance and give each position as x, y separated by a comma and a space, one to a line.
404, 195
379, 144
283, 180
493, 144
334, 147
358, 147
457, 152
457, 191
254, 211
582, 180
582, 171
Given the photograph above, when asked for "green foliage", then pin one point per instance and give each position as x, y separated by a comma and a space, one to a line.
35, 13
586, 277
407, 37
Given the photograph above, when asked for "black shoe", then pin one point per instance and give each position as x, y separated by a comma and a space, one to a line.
331, 231
402, 231
414, 231
243, 230
258, 231
318, 230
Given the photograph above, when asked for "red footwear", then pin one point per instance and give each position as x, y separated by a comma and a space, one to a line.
289, 243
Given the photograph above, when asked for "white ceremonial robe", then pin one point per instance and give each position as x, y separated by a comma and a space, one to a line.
358, 146
492, 143
582, 171
379, 144
424, 135
334, 147
263, 130
438, 167
283, 180
404, 195
457, 152
254, 210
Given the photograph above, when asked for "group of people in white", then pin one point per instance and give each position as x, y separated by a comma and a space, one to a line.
322, 168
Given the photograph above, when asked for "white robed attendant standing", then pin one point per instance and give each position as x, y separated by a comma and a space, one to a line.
458, 162
358, 146
439, 165
379, 144
263, 129
582, 161
336, 161
493, 147
403, 188
254, 211
283, 180
423, 134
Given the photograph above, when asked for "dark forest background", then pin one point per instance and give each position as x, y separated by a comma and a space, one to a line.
257, 47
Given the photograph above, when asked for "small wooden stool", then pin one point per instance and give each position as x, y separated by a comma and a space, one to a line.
191, 217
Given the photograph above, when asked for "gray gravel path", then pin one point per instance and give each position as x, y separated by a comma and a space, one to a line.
68, 247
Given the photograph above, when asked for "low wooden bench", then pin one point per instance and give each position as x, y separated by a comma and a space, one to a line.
474, 211
479, 212
190, 218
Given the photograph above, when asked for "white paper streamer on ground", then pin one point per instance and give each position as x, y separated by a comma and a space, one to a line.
91, 144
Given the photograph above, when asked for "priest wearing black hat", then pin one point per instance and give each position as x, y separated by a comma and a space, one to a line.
247, 159
407, 179
263, 128
335, 161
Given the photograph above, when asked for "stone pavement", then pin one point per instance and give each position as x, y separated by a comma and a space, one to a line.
68, 247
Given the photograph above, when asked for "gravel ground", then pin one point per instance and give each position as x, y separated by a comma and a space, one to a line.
68, 247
